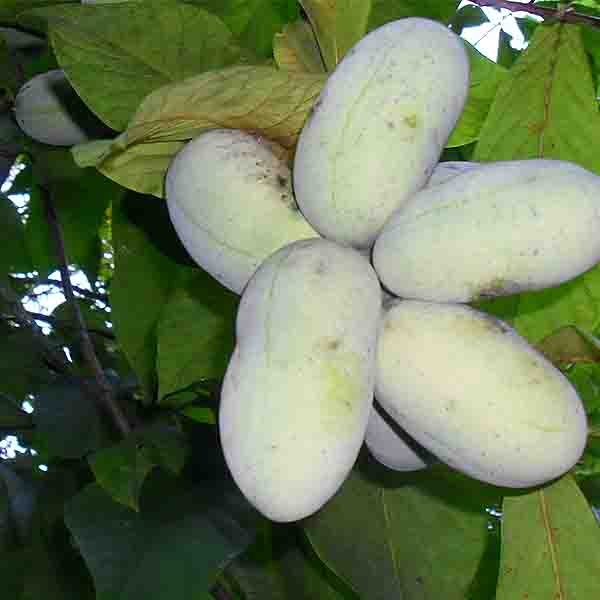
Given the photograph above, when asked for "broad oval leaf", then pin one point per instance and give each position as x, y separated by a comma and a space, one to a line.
265, 100
114, 55
421, 536
550, 545
15, 256
170, 549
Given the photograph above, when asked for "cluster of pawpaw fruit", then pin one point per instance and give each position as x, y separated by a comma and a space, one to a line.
356, 265
355, 268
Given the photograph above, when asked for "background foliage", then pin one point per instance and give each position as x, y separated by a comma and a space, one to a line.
121, 490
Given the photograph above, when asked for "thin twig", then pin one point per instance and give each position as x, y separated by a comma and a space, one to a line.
104, 389
567, 15
60, 323
54, 283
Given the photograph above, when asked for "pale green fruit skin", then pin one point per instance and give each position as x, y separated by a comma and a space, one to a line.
389, 448
495, 229
298, 391
48, 110
230, 200
378, 128
473, 392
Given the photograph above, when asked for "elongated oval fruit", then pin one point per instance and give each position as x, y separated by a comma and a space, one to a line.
378, 127
473, 392
230, 198
391, 447
49, 110
298, 390
495, 229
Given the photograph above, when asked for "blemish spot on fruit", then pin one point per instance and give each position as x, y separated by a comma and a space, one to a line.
411, 121
282, 181
390, 124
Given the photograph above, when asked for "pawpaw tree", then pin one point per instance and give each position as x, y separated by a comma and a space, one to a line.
119, 488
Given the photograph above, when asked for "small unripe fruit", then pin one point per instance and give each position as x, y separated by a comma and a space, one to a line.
473, 392
298, 390
494, 229
49, 110
230, 199
378, 128
390, 447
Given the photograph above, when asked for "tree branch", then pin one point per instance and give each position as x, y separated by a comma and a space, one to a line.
60, 323
567, 15
54, 283
104, 389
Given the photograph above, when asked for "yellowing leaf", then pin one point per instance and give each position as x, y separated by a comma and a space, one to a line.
262, 99
296, 49
550, 545
338, 25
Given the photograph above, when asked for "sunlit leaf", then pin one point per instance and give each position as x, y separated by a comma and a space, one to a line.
195, 333
383, 11
254, 22
9, 9
200, 414
115, 55
550, 545
485, 77
271, 102
165, 445
422, 536
296, 49
552, 115
338, 25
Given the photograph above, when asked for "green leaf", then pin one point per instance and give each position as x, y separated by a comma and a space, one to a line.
262, 99
121, 471
22, 367
338, 25
66, 414
165, 445
384, 11
485, 78
14, 257
115, 55
22, 495
195, 332
506, 53
422, 536
550, 545
200, 414
296, 49
552, 115
277, 567
170, 549
141, 282
254, 22
5, 521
